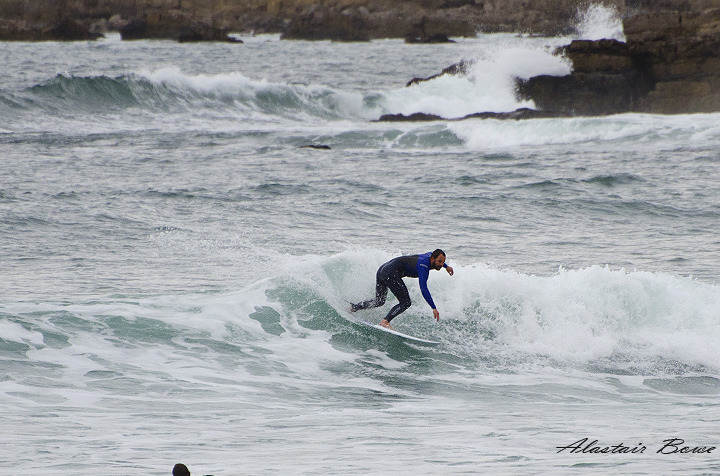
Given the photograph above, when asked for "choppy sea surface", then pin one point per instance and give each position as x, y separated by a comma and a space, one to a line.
176, 266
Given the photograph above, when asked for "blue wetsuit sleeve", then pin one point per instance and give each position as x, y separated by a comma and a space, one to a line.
423, 274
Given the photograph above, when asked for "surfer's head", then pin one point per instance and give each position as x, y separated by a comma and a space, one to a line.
437, 259
180, 470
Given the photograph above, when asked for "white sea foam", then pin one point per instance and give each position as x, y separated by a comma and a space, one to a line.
628, 130
489, 84
599, 22
596, 313
14, 332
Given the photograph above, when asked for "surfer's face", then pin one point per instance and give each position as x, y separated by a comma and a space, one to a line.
438, 262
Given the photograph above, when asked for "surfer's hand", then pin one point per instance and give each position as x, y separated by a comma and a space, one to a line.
450, 270
436, 315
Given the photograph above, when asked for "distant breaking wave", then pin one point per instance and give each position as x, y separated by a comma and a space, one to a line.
234, 103
172, 91
488, 86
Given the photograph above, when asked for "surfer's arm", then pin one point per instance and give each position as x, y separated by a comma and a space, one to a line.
423, 273
448, 269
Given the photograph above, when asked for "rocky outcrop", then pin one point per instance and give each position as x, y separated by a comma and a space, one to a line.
70, 20
63, 30
342, 20
318, 24
458, 68
522, 113
427, 21
178, 28
669, 64
606, 79
680, 53
422, 33
363, 20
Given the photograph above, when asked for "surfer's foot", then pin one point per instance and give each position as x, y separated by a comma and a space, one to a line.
386, 324
354, 307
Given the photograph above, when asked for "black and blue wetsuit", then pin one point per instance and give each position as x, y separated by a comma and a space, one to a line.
389, 276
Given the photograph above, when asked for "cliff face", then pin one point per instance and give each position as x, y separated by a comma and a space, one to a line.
165, 19
427, 18
669, 64
307, 19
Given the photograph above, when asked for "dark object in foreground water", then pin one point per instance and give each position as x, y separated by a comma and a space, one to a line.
316, 146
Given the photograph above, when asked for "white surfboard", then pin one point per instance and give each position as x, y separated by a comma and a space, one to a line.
399, 334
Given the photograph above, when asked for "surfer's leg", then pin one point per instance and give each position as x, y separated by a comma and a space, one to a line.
400, 291
380, 295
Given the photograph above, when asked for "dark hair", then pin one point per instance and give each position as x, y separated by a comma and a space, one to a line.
180, 470
437, 253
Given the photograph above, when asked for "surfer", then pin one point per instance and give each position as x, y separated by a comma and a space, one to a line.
389, 276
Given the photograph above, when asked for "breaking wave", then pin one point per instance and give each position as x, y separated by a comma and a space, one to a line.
596, 319
169, 90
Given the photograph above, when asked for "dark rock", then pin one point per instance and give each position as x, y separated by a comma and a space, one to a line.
458, 68
327, 26
357, 20
427, 32
436, 38
585, 94
70, 30
11, 30
383, 18
64, 30
203, 33
458, 3
670, 64
179, 31
601, 55
316, 146
518, 114
134, 30
416, 117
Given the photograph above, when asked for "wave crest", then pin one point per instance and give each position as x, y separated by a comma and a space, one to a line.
169, 90
597, 318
